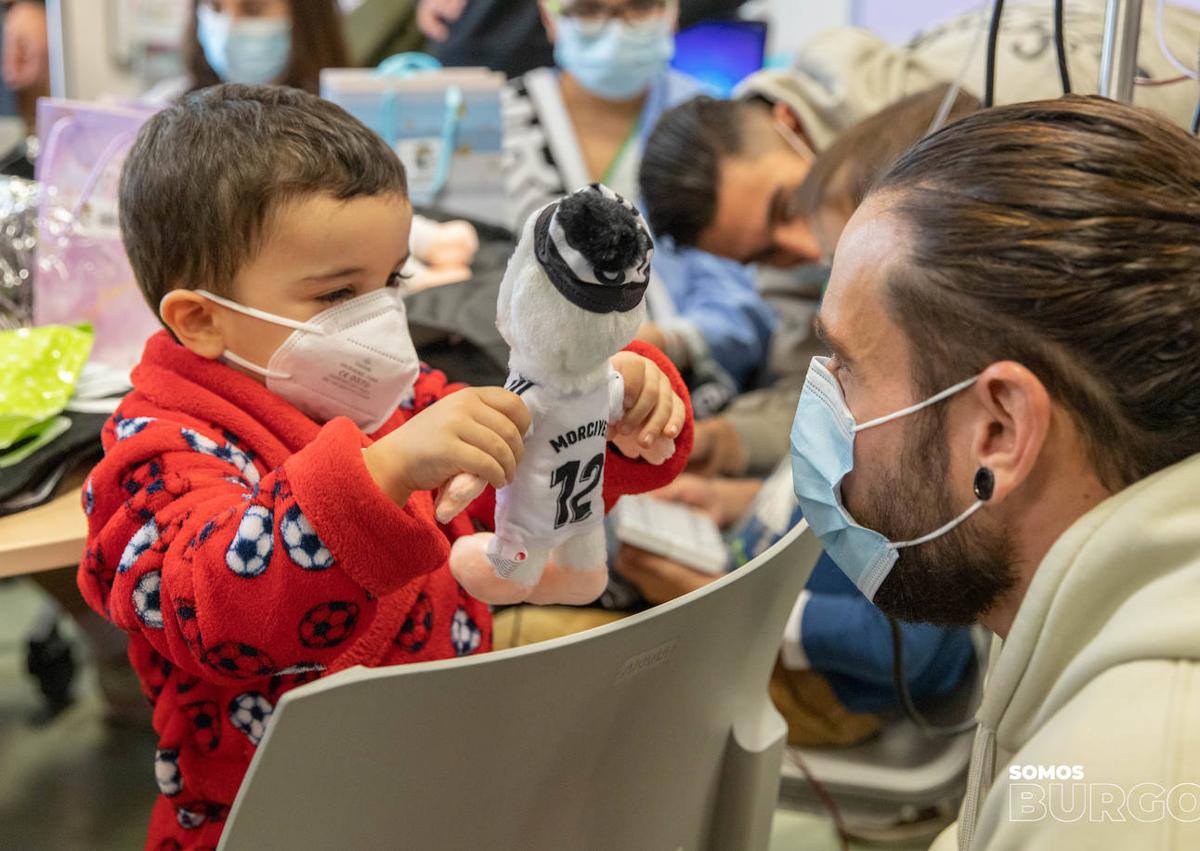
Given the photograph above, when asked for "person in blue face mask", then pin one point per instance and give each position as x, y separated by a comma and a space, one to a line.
587, 120
264, 41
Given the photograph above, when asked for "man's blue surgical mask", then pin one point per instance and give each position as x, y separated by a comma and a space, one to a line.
254, 51
822, 456
616, 61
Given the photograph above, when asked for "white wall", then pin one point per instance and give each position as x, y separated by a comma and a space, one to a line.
89, 30
794, 22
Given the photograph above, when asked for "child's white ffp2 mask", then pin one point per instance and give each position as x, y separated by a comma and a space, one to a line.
355, 359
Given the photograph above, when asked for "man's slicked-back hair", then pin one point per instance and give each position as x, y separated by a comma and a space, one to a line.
681, 164
1064, 235
205, 175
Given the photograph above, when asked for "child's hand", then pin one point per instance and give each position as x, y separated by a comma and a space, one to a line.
652, 408
478, 430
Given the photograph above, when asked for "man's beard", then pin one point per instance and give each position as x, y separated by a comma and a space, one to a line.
951, 580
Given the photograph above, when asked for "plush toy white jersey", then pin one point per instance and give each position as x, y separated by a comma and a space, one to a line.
571, 298
557, 493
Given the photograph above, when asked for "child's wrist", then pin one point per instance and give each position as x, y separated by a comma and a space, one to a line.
388, 472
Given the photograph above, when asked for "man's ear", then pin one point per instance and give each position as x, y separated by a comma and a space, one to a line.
1014, 425
784, 114
192, 319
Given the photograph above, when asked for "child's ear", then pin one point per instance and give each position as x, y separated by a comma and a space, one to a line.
191, 317
784, 114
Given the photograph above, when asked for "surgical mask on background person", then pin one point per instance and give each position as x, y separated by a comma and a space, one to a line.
616, 60
254, 51
823, 454
355, 359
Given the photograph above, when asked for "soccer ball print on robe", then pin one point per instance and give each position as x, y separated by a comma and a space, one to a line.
150, 489
464, 633
328, 624
166, 772
250, 551
141, 541
300, 540
96, 566
204, 719
147, 600
189, 624
249, 713
126, 427
238, 660
226, 452
194, 814
414, 635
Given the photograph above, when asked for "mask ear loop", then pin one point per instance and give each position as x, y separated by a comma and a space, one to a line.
257, 314
983, 486
912, 409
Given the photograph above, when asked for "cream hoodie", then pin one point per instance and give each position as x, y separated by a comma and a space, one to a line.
846, 74
1101, 671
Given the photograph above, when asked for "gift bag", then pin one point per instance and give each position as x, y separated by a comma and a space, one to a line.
83, 274
18, 250
444, 123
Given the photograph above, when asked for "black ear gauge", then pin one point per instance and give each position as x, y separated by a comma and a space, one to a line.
985, 483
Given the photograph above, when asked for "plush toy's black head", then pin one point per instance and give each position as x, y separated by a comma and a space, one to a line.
595, 249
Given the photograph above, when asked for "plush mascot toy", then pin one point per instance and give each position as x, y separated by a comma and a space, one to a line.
571, 298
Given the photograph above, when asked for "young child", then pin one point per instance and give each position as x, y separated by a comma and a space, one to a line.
263, 515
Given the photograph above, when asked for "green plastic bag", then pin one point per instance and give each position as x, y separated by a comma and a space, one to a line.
38, 371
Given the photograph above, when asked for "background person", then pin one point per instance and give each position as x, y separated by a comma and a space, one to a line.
26, 55
587, 121
258, 42
709, 155
509, 37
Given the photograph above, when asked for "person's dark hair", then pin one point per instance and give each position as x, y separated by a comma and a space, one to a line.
205, 175
842, 175
317, 42
681, 163
1064, 235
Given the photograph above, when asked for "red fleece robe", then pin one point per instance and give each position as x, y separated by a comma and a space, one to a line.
247, 550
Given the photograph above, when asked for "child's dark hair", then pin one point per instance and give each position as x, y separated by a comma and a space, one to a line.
206, 174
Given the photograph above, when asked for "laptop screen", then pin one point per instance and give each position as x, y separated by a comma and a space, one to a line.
721, 53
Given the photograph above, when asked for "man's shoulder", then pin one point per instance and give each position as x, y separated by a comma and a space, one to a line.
1121, 751
1124, 718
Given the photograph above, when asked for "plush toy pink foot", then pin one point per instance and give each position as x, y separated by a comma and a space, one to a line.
473, 569
555, 583
569, 586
